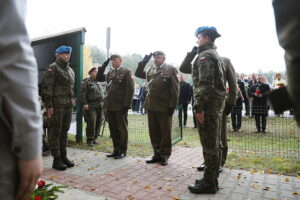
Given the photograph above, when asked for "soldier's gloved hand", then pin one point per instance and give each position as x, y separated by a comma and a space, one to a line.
125, 110
171, 111
194, 50
145, 60
228, 108
105, 63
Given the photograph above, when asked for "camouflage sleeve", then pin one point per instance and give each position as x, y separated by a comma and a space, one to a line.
186, 65
206, 69
129, 89
174, 88
48, 84
82, 93
231, 79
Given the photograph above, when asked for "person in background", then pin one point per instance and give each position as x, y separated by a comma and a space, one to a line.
259, 93
236, 114
91, 96
136, 101
184, 100
243, 85
142, 97
20, 119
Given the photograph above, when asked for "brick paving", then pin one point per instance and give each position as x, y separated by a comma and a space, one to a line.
97, 177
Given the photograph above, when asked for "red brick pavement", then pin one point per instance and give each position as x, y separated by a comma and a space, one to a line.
138, 180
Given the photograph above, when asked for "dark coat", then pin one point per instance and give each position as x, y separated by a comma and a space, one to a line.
260, 104
185, 93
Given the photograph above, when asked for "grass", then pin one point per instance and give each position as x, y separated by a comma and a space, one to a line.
277, 151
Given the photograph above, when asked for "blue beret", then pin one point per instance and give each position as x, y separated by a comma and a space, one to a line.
212, 29
63, 49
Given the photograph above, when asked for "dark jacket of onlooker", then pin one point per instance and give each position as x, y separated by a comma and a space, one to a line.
185, 93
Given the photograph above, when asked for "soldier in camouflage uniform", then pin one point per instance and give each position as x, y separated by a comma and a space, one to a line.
209, 92
91, 96
161, 101
58, 93
120, 89
230, 102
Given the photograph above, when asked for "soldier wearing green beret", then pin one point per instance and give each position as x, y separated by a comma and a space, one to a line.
58, 94
91, 96
160, 102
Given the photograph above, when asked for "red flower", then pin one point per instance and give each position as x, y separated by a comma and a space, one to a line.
41, 183
38, 197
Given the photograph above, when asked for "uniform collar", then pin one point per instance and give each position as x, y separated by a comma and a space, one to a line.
205, 47
61, 63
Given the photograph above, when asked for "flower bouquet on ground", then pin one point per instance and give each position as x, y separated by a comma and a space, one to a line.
46, 191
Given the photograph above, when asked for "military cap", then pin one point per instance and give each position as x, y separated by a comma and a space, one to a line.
115, 56
209, 30
63, 49
156, 53
92, 69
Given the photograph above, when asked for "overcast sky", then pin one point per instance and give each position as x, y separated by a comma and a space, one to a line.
142, 26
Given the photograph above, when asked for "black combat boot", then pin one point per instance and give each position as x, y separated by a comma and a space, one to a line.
58, 164
203, 187
67, 162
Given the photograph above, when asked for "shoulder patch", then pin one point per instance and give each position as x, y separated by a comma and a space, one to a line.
202, 58
49, 70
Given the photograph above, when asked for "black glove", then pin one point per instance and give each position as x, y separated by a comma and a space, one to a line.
104, 65
171, 111
125, 110
228, 108
145, 59
194, 50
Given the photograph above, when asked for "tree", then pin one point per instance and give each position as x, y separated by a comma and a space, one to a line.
98, 55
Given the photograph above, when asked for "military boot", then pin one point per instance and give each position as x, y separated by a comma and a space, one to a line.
67, 162
203, 187
58, 164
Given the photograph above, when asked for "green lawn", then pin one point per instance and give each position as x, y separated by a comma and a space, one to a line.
277, 151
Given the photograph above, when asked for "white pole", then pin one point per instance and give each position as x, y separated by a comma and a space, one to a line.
108, 40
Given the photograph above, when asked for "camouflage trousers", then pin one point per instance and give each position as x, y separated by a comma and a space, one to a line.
92, 117
59, 125
210, 138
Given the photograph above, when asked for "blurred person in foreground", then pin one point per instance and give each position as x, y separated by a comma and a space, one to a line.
20, 120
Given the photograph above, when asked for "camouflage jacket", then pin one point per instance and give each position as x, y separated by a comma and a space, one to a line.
163, 87
120, 89
209, 81
58, 85
231, 80
91, 92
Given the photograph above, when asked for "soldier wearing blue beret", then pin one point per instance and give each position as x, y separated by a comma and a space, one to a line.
58, 92
209, 94
64, 49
